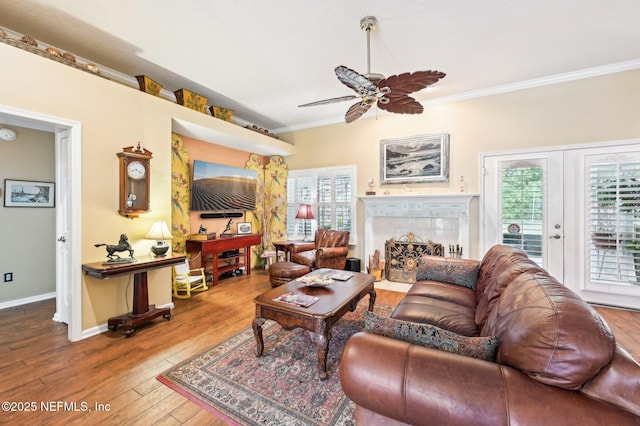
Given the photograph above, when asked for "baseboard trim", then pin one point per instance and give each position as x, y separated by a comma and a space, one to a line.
26, 300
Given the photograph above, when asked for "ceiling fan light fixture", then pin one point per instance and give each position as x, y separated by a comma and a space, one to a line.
391, 94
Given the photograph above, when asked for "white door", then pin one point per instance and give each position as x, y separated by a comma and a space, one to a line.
522, 205
63, 234
603, 260
575, 211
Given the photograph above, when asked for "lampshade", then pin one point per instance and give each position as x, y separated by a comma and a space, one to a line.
160, 232
304, 212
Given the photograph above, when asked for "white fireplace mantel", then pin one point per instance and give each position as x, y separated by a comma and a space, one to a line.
446, 218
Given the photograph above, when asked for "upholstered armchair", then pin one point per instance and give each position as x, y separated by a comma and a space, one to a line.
328, 250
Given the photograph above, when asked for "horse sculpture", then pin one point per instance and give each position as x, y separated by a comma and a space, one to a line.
123, 245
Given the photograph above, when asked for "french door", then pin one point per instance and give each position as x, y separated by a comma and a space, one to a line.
522, 203
575, 211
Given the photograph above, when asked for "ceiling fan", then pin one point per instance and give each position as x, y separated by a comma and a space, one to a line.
391, 93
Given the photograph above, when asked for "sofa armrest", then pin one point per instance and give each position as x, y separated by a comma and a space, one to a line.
299, 247
414, 384
327, 252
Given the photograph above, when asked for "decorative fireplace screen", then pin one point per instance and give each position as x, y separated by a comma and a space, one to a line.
403, 256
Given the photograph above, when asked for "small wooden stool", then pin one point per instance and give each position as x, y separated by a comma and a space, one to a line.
283, 272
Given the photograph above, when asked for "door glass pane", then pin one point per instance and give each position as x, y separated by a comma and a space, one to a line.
522, 201
613, 222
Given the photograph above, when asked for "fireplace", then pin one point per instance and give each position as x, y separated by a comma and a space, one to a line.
440, 218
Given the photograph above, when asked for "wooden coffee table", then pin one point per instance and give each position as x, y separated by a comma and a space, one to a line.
335, 300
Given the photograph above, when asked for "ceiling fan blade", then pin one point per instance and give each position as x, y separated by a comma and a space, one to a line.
353, 79
406, 83
330, 101
401, 105
356, 111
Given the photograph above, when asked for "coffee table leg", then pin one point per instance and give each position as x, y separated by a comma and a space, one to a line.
321, 337
257, 331
372, 299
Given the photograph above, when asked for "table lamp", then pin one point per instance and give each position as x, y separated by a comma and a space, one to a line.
160, 232
305, 212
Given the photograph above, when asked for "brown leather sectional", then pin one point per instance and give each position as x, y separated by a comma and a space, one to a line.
557, 361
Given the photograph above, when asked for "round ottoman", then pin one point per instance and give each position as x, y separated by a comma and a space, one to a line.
283, 272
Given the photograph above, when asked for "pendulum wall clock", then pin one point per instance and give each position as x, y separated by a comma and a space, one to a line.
135, 170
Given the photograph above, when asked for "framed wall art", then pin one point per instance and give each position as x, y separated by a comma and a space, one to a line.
26, 193
244, 228
414, 159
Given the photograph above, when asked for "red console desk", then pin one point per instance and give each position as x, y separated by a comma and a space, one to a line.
216, 247
142, 312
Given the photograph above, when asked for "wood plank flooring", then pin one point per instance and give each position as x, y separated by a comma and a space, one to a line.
116, 377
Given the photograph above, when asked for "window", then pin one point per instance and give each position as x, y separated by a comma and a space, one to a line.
330, 192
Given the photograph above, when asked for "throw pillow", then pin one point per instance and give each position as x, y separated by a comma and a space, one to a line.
462, 272
432, 337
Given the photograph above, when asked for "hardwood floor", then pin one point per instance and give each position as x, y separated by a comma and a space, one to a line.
39, 365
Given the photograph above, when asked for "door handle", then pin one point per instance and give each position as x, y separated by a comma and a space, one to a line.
556, 236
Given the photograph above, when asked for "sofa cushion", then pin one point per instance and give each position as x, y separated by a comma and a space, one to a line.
499, 267
446, 292
549, 333
441, 313
432, 337
462, 272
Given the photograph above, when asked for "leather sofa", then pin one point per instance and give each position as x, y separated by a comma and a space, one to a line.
556, 362
329, 249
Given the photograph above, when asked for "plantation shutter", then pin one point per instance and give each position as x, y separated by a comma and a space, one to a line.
330, 192
613, 221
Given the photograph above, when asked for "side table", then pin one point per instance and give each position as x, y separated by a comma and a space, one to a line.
142, 312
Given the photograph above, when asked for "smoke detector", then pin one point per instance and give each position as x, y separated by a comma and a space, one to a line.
7, 134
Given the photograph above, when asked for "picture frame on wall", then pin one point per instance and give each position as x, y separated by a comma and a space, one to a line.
27, 193
415, 159
244, 228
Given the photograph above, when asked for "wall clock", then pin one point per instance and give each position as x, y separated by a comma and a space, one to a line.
135, 170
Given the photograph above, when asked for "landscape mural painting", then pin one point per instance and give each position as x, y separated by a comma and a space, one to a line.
422, 158
218, 188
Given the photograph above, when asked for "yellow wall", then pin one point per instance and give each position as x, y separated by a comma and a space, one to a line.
113, 116
589, 110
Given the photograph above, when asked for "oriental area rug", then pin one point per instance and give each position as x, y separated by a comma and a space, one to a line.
281, 386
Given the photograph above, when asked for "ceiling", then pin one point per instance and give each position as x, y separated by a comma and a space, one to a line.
263, 58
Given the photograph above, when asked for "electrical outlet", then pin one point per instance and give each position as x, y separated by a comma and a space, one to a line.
8, 277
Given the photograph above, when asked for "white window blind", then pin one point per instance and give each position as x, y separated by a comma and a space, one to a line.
614, 221
522, 199
330, 192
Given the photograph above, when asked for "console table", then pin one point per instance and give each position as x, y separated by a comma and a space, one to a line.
224, 244
142, 312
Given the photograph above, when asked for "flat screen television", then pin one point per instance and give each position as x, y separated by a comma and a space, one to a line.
220, 188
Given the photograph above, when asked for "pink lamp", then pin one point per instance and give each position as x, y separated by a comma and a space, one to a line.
305, 212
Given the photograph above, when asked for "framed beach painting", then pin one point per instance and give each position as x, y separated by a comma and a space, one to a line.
414, 159
26, 193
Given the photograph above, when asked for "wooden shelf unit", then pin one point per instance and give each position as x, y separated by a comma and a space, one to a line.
218, 246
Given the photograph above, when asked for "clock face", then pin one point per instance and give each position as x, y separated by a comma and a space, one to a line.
136, 170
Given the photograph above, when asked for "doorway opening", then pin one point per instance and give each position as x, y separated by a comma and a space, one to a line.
68, 171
